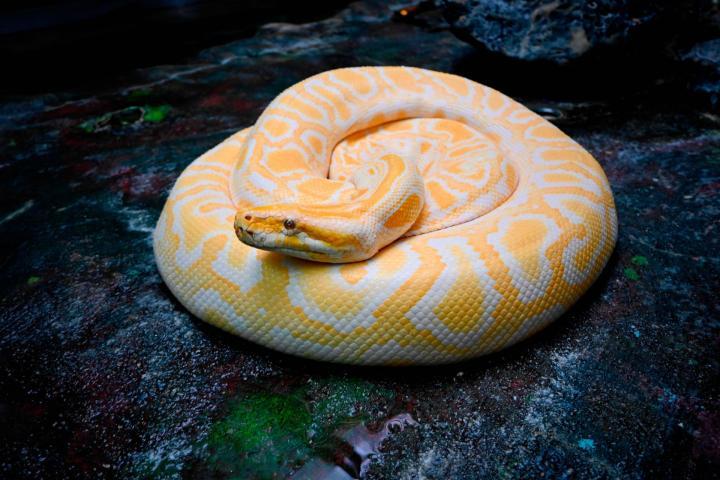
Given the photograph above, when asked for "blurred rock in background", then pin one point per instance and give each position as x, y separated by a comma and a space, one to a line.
704, 61
557, 31
602, 34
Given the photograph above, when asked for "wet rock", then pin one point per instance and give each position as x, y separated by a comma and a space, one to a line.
704, 62
557, 31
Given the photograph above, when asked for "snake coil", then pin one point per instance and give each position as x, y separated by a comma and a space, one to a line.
447, 221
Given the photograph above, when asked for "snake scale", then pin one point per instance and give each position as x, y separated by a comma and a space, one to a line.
387, 216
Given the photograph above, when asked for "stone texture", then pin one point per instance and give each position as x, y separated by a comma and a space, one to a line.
104, 375
556, 31
704, 61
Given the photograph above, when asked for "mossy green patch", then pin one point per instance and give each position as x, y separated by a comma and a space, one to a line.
342, 401
639, 260
263, 436
268, 435
89, 126
631, 274
129, 115
110, 120
32, 280
155, 114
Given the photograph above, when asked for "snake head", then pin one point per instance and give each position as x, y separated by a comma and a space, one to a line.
291, 232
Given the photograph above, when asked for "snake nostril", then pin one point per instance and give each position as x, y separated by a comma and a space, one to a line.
248, 217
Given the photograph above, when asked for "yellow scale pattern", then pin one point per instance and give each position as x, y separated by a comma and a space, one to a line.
518, 221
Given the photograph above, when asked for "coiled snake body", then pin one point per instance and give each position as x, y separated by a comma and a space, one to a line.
434, 218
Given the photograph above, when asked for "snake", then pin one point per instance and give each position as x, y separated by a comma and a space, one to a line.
387, 216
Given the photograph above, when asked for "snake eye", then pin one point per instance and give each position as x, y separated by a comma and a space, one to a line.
289, 224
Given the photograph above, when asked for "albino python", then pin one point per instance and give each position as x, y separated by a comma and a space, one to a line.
387, 215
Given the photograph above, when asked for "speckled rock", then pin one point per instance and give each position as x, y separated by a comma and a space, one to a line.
556, 31
104, 375
704, 61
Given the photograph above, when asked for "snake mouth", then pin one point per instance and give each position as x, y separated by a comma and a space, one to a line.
305, 254
279, 243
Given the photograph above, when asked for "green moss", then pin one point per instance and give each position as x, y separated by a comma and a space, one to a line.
112, 119
267, 435
89, 126
639, 260
128, 115
263, 436
343, 397
155, 114
631, 274
340, 401
32, 280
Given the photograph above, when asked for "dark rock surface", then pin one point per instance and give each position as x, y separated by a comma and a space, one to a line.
556, 31
704, 59
104, 375
609, 41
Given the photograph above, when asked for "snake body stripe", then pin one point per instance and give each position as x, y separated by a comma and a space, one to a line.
489, 221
